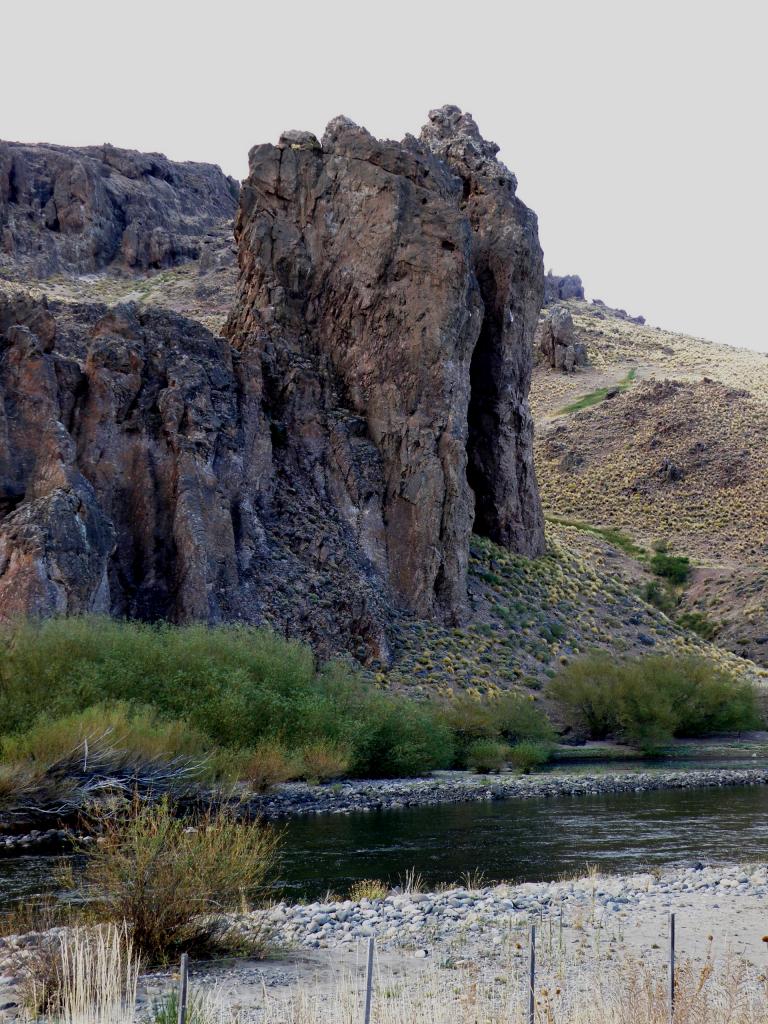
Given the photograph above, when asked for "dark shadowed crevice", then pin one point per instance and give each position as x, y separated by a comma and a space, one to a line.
483, 422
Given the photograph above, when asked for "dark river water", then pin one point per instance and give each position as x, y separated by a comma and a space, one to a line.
525, 840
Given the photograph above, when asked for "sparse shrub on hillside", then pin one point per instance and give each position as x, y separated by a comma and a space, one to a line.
698, 623
660, 596
487, 755
646, 701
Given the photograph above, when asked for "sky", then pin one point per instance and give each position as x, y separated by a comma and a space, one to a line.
636, 129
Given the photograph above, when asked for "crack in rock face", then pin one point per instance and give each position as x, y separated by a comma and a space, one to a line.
322, 467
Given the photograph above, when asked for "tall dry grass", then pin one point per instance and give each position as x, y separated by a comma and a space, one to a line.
628, 992
85, 976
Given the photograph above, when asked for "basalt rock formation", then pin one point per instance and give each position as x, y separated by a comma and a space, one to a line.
556, 341
65, 210
321, 468
560, 289
392, 290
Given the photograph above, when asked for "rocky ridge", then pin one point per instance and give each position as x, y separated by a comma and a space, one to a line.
676, 455
79, 211
322, 468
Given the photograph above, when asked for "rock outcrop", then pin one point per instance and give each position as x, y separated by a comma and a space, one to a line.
65, 210
321, 468
556, 341
560, 289
620, 314
392, 290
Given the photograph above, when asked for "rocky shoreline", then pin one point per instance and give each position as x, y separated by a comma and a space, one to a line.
356, 796
487, 915
369, 795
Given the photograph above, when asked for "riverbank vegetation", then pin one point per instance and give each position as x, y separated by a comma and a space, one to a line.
648, 701
237, 704
241, 703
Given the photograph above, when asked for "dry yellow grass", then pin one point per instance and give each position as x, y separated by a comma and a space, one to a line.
623, 992
679, 456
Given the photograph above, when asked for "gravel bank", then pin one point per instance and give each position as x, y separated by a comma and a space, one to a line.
582, 923
457, 787
487, 916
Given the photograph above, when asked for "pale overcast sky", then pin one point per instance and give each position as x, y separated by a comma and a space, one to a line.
637, 130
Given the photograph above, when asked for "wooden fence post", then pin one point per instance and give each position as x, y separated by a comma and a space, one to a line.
671, 968
183, 974
532, 978
369, 982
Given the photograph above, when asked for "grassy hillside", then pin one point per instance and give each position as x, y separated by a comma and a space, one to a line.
528, 618
678, 457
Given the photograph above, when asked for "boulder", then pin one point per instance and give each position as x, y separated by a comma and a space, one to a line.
556, 341
560, 289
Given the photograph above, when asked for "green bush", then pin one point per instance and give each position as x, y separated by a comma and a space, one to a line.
698, 623
229, 688
660, 596
526, 756
487, 755
649, 700
138, 729
399, 738
675, 568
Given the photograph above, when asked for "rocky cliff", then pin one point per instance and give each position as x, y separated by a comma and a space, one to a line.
66, 210
393, 289
321, 468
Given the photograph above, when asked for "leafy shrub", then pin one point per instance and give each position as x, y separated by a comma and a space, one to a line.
322, 761
510, 715
151, 870
487, 755
231, 687
675, 568
398, 737
698, 623
526, 756
518, 718
646, 701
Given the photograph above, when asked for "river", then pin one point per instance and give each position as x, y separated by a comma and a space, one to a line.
526, 840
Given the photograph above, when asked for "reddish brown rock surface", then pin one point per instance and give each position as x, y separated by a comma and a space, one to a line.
322, 468
393, 290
